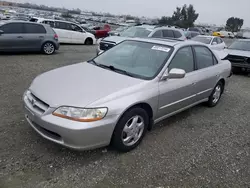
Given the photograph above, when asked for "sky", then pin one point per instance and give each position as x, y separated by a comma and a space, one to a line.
210, 11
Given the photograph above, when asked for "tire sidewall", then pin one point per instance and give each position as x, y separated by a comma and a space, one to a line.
117, 135
89, 41
44, 50
210, 101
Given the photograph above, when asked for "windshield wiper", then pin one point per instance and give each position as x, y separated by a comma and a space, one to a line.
111, 67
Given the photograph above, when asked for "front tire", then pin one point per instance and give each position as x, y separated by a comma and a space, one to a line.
130, 129
48, 48
215, 96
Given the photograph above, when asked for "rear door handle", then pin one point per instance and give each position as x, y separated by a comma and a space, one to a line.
41, 37
19, 37
193, 83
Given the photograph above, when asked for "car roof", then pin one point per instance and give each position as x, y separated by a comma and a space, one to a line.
168, 42
17, 21
48, 19
206, 36
169, 28
246, 40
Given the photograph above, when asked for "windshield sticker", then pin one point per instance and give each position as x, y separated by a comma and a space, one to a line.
161, 48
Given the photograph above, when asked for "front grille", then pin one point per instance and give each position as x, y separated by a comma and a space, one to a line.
106, 45
36, 104
238, 59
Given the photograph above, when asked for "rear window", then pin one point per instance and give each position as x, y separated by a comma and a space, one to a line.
34, 28
177, 34
205, 40
33, 20
168, 33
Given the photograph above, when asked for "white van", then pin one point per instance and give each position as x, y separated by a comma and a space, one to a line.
68, 32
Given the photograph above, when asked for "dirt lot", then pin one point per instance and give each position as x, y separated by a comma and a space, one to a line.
201, 147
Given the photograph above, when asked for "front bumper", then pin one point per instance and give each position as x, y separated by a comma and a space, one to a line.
98, 50
71, 134
241, 65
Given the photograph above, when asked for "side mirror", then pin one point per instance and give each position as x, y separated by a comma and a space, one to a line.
214, 43
1, 32
99, 53
176, 73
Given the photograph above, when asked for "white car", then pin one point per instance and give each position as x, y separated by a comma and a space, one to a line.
68, 32
213, 42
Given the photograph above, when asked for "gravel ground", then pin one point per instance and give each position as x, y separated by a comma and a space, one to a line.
201, 147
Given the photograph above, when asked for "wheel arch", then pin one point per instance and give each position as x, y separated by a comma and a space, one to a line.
222, 80
144, 105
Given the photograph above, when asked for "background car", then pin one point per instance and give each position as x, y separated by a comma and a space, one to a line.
218, 34
143, 31
27, 36
101, 32
191, 34
239, 55
118, 31
213, 42
68, 32
196, 29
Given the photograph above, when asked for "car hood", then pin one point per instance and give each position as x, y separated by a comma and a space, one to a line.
79, 85
115, 39
238, 52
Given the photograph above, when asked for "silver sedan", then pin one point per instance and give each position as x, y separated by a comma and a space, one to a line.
117, 96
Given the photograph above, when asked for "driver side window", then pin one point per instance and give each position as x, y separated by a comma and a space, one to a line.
183, 59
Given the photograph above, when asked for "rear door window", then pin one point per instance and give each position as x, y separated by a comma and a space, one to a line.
34, 28
12, 28
168, 33
204, 57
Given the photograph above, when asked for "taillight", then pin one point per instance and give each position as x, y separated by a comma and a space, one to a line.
56, 37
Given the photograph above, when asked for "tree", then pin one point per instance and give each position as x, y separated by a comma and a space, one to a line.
234, 24
183, 17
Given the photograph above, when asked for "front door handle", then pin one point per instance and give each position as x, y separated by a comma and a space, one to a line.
19, 37
193, 84
41, 37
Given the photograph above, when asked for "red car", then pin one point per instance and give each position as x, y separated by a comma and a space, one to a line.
101, 32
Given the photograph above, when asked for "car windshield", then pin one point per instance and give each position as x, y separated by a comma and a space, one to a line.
135, 58
240, 45
205, 40
136, 32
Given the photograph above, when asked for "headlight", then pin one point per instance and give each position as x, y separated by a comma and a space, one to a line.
81, 114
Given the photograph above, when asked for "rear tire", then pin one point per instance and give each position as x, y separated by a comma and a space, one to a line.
48, 48
215, 96
130, 129
88, 41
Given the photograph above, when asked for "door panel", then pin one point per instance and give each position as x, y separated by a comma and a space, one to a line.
12, 38
206, 82
176, 94
208, 72
33, 36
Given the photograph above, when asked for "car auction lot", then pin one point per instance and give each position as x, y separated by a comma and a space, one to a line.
201, 147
